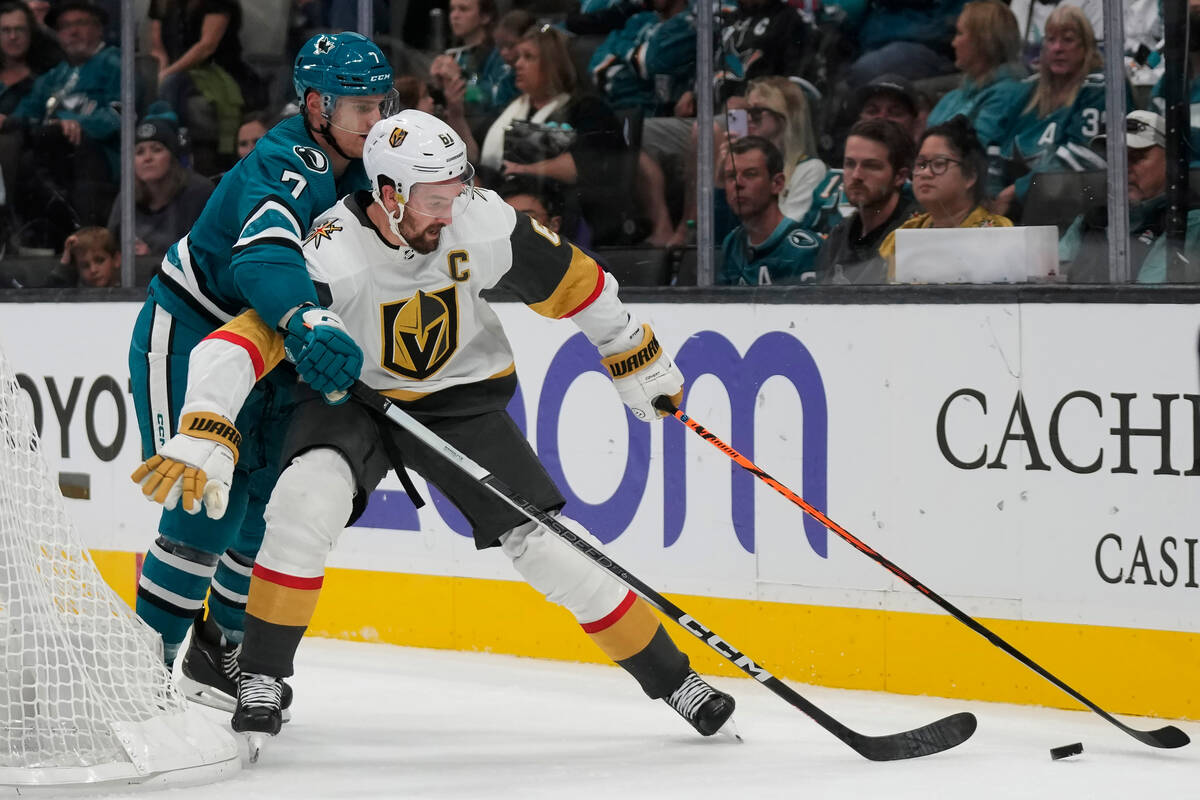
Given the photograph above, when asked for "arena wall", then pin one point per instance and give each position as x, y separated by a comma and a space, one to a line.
1034, 463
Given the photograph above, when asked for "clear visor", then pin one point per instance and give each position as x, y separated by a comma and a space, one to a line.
442, 200
357, 114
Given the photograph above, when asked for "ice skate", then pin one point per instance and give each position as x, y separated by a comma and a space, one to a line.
210, 671
706, 709
258, 713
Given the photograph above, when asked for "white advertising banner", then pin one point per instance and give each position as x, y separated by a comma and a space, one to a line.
1030, 462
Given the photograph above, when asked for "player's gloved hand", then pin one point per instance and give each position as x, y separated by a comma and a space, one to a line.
325, 355
195, 465
642, 373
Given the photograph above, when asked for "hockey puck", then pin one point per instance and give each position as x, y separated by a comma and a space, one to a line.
1066, 751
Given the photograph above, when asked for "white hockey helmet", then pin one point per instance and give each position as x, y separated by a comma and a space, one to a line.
412, 149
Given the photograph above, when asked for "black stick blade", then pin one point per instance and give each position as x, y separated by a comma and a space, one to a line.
1167, 738
935, 737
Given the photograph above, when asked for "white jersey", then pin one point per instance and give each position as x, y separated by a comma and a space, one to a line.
419, 318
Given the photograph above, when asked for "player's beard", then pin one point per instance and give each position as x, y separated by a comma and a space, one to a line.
427, 240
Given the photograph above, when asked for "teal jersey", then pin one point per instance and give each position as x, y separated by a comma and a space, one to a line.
992, 107
483, 70
1159, 106
788, 256
649, 63
1057, 142
89, 93
244, 250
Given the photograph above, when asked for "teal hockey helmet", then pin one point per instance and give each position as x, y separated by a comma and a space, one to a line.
341, 64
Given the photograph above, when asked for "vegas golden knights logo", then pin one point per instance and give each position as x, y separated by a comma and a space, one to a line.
397, 137
420, 333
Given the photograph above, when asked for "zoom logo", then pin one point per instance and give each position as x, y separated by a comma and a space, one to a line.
707, 353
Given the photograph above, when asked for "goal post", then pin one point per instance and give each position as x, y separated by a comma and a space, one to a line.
85, 698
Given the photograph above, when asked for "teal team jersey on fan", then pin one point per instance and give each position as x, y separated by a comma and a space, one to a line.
788, 256
244, 250
1057, 142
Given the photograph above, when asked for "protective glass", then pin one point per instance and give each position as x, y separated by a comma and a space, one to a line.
357, 114
442, 200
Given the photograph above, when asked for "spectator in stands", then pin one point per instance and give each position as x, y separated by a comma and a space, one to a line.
509, 30
415, 93
1193, 74
1062, 116
168, 197
767, 247
475, 61
760, 37
651, 61
202, 75
875, 172
541, 200
1084, 247
39, 9
907, 38
25, 53
93, 258
949, 177
68, 128
254, 126
987, 51
778, 111
1033, 16
554, 131
891, 97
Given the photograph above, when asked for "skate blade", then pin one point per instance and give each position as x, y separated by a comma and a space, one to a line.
257, 742
730, 729
206, 695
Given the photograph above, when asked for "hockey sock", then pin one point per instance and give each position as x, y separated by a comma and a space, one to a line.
277, 614
634, 638
171, 590
230, 587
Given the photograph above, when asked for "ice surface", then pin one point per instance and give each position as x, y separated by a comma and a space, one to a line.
377, 721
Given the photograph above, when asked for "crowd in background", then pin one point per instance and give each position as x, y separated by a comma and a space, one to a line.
836, 124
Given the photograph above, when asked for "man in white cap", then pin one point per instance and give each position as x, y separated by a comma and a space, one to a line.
1084, 247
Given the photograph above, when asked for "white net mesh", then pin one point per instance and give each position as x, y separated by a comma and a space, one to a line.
80, 675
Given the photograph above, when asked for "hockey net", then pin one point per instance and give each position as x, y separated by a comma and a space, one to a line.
85, 698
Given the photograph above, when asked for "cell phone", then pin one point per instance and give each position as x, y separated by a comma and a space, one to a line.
735, 119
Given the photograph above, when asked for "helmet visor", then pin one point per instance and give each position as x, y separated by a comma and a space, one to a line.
443, 200
354, 114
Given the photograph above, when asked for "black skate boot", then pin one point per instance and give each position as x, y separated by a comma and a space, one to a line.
258, 713
210, 670
706, 708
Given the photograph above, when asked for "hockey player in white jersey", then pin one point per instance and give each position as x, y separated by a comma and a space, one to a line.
404, 266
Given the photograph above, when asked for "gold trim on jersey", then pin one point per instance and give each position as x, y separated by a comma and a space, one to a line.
407, 395
419, 333
577, 285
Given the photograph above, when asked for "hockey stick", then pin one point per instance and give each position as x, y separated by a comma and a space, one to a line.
1166, 737
933, 738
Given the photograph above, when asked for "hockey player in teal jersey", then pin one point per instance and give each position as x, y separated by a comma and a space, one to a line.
767, 248
244, 252
1061, 113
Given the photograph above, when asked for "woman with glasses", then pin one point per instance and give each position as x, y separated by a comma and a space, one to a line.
987, 49
1062, 115
554, 132
948, 182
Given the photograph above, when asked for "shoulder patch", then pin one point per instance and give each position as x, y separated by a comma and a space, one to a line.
313, 158
802, 239
322, 232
